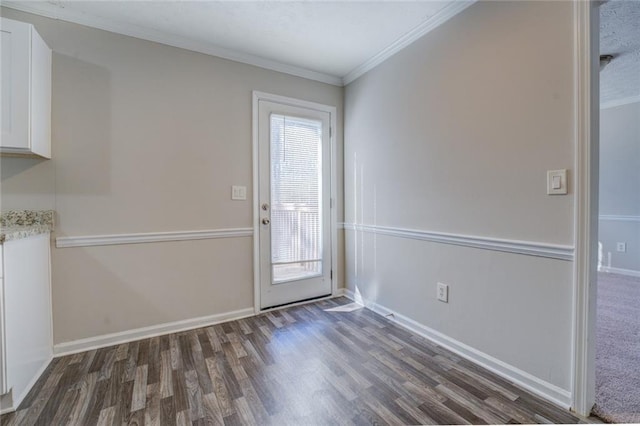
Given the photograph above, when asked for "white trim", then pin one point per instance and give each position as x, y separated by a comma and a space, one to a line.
619, 102
333, 118
172, 40
586, 132
91, 343
151, 237
521, 378
149, 34
620, 271
255, 139
619, 218
106, 340
15, 402
442, 16
530, 248
332, 111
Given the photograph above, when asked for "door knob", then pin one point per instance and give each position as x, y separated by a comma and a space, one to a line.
265, 221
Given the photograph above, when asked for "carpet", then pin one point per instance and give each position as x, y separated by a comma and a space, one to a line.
618, 349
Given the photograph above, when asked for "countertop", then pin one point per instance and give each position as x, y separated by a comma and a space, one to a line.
18, 224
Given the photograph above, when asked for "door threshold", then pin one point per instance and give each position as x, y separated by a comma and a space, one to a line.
299, 302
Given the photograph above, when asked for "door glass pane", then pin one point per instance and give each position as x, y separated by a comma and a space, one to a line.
296, 202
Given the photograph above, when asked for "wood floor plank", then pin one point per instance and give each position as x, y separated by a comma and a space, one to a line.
106, 416
166, 375
139, 397
143, 352
194, 395
95, 403
152, 411
201, 367
220, 389
167, 411
112, 395
85, 393
122, 352
176, 354
63, 411
180, 395
300, 365
153, 373
53, 404
123, 413
132, 361
212, 410
469, 402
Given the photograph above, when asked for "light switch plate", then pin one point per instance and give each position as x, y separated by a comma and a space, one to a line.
443, 293
238, 192
621, 247
557, 182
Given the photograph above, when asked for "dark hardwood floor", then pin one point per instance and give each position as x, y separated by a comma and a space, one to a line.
298, 366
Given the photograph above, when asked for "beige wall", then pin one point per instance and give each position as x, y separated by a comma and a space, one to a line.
147, 138
455, 134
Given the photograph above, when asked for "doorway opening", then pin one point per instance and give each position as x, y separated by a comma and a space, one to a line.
294, 219
617, 331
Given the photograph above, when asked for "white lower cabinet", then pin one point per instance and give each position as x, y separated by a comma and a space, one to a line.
3, 356
27, 347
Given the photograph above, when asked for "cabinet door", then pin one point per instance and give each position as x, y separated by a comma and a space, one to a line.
27, 315
16, 56
3, 345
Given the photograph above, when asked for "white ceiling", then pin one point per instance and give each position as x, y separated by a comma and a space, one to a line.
620, 37
331, 41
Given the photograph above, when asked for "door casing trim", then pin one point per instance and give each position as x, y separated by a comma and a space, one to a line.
586, 122
333, 188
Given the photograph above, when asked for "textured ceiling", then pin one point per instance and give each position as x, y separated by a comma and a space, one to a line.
620, 37
329, 37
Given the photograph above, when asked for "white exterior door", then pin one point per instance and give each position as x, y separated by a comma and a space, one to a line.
294, 153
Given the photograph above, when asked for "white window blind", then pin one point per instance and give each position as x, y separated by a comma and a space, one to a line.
296, 189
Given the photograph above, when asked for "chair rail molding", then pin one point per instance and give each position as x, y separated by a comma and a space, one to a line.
530, 248
151, 237
619, 218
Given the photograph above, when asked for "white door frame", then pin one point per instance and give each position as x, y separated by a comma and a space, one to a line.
586, 121
261, 96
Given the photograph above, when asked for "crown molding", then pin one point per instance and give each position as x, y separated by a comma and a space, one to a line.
149, 34
171, 40
619, 102
442, 16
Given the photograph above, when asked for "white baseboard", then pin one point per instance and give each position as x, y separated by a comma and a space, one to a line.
620, 271
91, 343
521, 378
16, 401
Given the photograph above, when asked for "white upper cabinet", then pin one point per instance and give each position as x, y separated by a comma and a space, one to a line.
25, 91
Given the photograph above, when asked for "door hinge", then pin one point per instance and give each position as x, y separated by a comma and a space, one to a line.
330, 131
330, 203
331, 274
